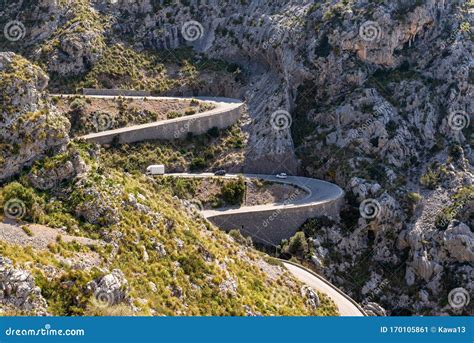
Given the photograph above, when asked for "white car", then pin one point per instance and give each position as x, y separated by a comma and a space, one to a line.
281, 176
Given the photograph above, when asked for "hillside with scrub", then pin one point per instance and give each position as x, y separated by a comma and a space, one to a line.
373, 96
81, 237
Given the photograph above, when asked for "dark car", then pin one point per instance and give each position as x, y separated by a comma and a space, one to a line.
220, 172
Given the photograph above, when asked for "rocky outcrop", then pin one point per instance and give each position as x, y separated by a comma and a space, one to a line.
374, 309
19, 292
29, 125
76, 52
311, 296
367, 94
459, 242
48, 179
99, 204
110, 289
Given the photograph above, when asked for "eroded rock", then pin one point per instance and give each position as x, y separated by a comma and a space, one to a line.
18, 290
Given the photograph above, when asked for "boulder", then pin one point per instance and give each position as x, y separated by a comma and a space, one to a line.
18, 290
458, 240
110, 289
312, 298
374, 309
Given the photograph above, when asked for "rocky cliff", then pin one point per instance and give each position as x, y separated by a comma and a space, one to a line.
29, 126
373, 95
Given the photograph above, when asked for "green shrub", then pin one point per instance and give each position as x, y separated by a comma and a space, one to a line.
194, 267
313, 225
197, 163
233, 192
66, 300
20, 202
442, 220
430, 179
412, 199
391, 128
298, 245
457, 210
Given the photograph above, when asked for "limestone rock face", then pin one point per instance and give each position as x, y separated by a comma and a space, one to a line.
29, 125
459, 241
374, 309
48, 179
361, 93
110, 288
18, 290
273, 41
311, 296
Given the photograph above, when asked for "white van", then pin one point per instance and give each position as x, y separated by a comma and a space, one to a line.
156, 169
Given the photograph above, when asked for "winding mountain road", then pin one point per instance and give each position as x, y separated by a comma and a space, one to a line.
345, 305
320, 194
225, 113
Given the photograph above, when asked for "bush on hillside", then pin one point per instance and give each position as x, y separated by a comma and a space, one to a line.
313, 225
233, 192
197, 163
296, 246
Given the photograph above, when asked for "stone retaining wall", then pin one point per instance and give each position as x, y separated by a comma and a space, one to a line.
114, 92
271, 226
177, 128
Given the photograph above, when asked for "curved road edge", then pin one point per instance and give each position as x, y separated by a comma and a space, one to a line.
227, 111
318, 192
345, 304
